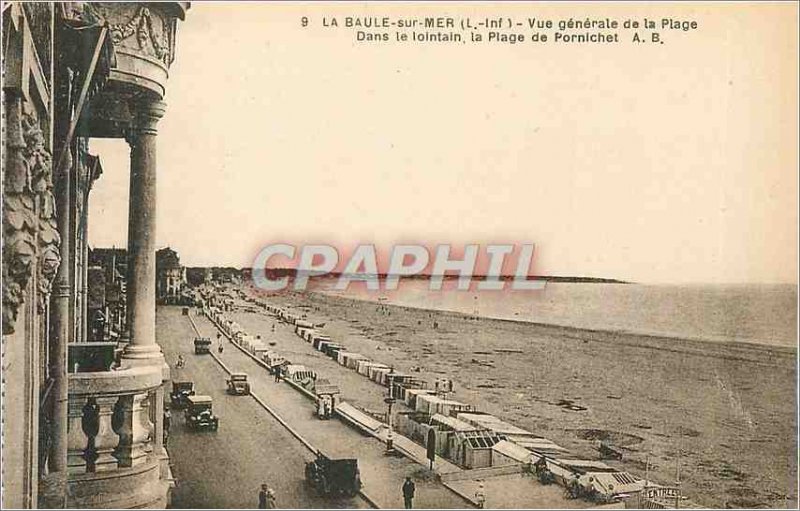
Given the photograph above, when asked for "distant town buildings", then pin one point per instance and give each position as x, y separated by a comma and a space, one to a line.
170, 277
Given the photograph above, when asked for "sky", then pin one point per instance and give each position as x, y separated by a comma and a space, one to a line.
672, 163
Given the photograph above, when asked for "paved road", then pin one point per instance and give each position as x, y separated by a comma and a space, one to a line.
224, 469
382, 476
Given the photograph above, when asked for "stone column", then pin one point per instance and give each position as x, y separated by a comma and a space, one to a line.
142, 348
85, 277
60, 326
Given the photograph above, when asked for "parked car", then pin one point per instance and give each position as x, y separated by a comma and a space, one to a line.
202, 345
199, 415
334, 477
238, 384
180, 391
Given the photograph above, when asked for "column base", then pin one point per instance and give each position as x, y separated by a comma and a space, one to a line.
137, 356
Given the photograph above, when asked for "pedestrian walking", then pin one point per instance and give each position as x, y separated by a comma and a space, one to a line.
262, 497
480, 495
167, 422
408, 493
220, 347
277, 370
180, 363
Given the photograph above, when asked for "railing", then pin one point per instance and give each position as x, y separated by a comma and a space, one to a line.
110, 421
115, 443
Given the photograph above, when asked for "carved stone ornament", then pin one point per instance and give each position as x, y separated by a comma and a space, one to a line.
156, 44
31, 239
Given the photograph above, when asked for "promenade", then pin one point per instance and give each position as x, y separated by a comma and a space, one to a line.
224, 469
508, 491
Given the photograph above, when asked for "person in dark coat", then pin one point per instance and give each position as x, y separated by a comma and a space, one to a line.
408, 493
262, 497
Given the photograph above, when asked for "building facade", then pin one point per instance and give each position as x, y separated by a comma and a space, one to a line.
170, 277
107, 305
73, 71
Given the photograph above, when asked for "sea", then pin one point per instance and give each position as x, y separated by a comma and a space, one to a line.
752, 313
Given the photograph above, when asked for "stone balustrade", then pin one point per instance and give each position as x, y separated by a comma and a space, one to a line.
114, 445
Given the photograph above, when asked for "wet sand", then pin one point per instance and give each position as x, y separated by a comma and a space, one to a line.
722, 414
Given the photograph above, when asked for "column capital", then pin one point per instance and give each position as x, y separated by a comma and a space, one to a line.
146, 112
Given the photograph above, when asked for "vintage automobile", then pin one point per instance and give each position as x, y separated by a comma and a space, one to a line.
202, 345
198, 413
180, 391
330, 477
238, 385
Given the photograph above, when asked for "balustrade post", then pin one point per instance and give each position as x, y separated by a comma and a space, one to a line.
131, 429
147, 422
77, 440
106, 439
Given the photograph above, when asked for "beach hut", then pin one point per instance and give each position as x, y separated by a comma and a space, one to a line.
473, 449
301, 323
414, 425
316, 340
377, 372
411, 396
362, 366
257, 347
449, 407
375, 369
446, 428
432, 404
367, 368
492, 423
400, 389
350, 358
564, 469
426, 403
258, 350
509, 453
611, 484
273, 359
541, 446
299, 373
392, 378
332, 350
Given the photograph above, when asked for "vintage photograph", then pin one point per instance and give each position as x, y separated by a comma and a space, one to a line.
438, 255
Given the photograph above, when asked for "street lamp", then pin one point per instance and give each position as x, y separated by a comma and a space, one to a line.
389, 438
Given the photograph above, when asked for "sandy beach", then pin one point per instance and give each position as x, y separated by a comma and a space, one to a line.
720, 414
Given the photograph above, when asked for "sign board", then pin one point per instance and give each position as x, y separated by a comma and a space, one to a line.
661, 493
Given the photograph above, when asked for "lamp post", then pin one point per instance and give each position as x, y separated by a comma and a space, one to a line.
389, 438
